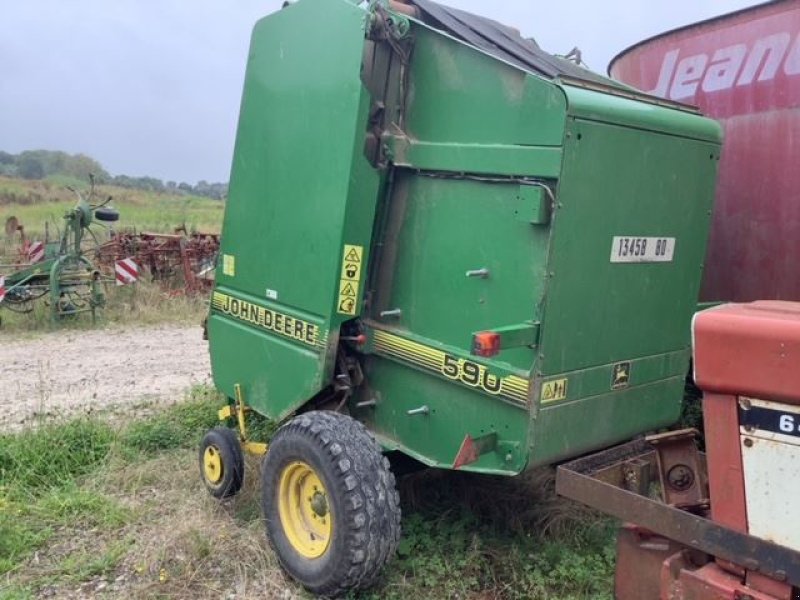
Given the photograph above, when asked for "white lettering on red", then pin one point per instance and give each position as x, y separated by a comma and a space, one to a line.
738, 64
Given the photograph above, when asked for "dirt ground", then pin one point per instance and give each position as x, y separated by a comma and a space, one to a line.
64, 373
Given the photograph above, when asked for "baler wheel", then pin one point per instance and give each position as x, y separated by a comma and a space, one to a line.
330, 504
221, 462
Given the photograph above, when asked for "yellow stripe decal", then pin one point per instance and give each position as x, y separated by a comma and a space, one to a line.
460, 370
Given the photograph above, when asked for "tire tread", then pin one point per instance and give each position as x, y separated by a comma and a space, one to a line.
371, 502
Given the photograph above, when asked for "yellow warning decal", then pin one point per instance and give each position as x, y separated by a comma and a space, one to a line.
554, 391
229, 265
273, 321
461, 370
350, 280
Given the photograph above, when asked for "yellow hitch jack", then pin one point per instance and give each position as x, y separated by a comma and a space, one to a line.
238, 410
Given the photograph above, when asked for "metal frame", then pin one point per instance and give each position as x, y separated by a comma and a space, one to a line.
238, 410
598, 481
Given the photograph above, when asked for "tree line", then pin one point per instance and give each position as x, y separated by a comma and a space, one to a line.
38, 164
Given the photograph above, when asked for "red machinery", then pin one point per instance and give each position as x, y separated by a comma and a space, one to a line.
171, 259
721, 526
744, 70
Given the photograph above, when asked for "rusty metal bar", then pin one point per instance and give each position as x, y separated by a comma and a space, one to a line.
399, 6
576, 480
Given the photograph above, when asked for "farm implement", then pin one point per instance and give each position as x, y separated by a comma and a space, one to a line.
443, 244
182, 262
59, 273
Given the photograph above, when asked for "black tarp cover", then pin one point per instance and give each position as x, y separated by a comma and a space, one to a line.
505, 43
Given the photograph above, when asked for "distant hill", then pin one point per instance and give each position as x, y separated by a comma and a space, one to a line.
41, 164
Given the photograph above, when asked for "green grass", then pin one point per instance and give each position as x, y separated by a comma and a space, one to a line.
26, 524
96, 504
53, 455
35, 203
180, 426
43, 473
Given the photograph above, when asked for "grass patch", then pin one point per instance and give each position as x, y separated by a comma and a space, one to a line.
504, 537
27, 524
87, 563
129, 518
51, 456
43, 473
16, 593
497, 564
19, 535
83, 507
178, 426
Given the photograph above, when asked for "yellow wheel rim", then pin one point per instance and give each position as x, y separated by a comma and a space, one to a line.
304, 510
212, 465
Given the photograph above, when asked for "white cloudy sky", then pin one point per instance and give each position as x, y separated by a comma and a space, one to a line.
152, 87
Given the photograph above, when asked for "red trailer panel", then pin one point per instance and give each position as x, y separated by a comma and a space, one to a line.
743, 69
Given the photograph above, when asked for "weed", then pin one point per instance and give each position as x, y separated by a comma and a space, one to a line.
81, 507
87, 563
19, 535
15, 593
52, 455
26, 524
178, 426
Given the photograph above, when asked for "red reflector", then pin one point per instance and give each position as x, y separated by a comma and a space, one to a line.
467, 454
486, 343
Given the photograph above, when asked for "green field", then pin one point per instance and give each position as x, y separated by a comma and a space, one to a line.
35, 203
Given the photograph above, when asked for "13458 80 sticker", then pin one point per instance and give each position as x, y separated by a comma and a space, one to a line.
632, 249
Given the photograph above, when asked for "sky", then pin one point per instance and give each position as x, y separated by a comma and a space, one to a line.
152, 87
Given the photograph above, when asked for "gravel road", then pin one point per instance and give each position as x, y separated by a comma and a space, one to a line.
64, 373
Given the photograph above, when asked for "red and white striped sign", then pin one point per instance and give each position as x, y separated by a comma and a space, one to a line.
127, 271
36, 252
2, 289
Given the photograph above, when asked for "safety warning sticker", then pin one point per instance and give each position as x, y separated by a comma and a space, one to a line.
554, 391
350, 280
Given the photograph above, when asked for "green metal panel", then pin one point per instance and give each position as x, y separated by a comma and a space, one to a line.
467, 112
609, 108
490, 201
300, 190
441, 229
568, 430
475, 158
461, 95
455, 411
622, 176
621, 181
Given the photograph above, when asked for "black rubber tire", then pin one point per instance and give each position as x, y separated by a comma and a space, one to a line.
363, 501
226, 443
106, 214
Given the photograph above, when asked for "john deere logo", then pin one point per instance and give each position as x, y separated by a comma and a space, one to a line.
621, 376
